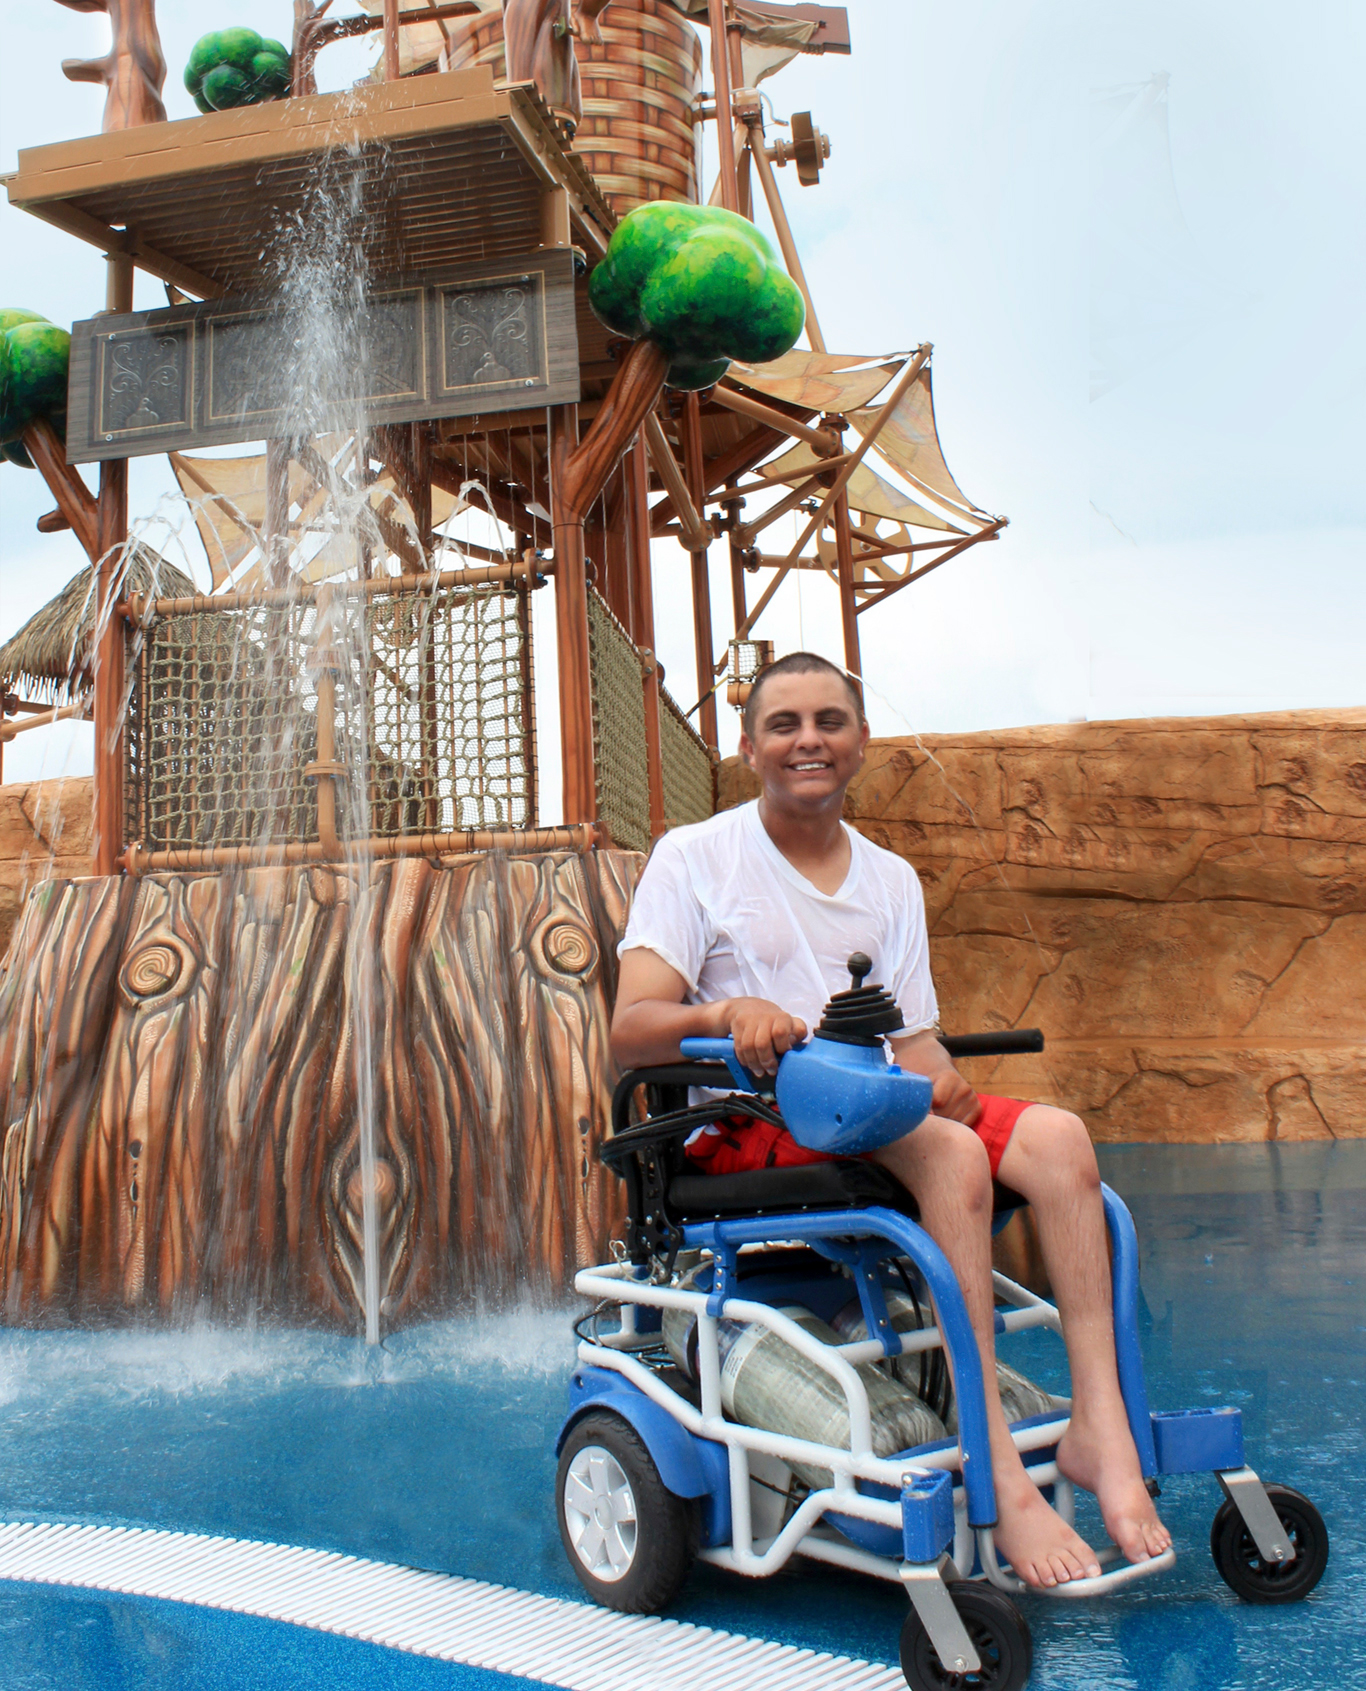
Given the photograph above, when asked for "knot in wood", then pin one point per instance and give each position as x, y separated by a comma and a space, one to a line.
568, 948
152, 971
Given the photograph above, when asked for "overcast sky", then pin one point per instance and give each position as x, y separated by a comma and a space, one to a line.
1190, 541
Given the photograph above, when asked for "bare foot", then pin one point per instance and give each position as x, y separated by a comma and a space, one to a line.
1037, 1542
1100, 1457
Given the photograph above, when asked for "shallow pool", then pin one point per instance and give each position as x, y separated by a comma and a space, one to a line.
436, 1452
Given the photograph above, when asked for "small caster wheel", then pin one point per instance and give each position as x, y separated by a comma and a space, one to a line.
1241, 1565
999, 1633
631, 1542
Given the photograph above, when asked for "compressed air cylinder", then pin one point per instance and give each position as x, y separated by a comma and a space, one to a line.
766, 1383
1020, 1397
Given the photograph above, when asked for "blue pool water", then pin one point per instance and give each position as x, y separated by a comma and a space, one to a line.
437, 1452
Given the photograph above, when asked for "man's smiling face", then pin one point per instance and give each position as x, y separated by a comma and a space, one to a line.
808, 740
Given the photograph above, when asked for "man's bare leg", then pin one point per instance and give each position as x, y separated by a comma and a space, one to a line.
945, 1165
1050, 1161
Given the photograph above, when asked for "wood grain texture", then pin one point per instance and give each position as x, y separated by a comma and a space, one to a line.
186, 1060
133, 70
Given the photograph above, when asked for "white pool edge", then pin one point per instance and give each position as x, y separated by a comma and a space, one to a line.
574, 1646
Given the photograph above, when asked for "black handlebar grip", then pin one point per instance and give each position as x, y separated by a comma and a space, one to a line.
1009, 1042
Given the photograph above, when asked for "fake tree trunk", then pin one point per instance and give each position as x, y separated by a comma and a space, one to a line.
133, 70
186, 1063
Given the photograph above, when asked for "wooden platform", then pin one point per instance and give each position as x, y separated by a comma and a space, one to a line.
453, 170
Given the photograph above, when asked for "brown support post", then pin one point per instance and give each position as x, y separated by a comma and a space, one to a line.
391, 40
737, 555
694, 467
571, 627
844, 551
725, 114
637, 472
112, 529
420, 493
276, 527
744, 180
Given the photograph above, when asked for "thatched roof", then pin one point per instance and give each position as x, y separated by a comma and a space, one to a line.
49, 658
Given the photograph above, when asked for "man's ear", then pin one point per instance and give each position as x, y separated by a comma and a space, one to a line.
746, 749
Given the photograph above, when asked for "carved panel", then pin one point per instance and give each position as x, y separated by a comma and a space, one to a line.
146, 381
484, 338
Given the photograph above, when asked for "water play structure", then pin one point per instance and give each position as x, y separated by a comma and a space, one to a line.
349, 971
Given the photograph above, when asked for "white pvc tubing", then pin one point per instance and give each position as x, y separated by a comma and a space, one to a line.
575, 1646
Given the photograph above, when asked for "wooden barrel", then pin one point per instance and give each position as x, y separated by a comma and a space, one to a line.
639, 88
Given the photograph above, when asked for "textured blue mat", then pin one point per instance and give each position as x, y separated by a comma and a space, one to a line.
436, 1452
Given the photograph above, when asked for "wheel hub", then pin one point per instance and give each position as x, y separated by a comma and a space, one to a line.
600, 1513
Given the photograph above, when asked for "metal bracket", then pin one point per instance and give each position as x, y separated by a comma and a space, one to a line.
1248, 1496
927, 1588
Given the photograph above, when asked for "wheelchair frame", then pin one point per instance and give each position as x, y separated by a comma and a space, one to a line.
938, 1498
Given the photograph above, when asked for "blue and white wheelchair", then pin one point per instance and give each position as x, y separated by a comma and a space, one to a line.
653, 1473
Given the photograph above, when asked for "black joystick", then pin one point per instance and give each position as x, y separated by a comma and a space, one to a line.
865, 1014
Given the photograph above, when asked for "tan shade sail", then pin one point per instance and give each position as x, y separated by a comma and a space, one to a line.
909, 441
868, 491
817, 381
228, 496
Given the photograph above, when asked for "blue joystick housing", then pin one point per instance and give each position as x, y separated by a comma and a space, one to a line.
838, 1093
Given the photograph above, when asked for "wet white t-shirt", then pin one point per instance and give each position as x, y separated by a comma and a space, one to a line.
721, 904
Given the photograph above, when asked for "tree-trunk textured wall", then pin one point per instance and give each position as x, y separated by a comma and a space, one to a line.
186, 1061
1179, 903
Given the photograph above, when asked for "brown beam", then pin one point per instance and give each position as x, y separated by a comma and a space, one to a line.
724, 468
783, 228
725, 137
74, 499
637, 474
578, 770
990, 532
737, 558
113, 539
695, 469
693, 530
844, 553
826, 444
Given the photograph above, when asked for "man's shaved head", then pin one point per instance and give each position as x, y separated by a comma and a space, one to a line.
797, 663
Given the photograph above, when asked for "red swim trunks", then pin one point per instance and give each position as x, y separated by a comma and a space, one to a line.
739, 1143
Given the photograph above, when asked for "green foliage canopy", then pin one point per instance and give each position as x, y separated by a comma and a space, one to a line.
237, 67
34, 355
703, 284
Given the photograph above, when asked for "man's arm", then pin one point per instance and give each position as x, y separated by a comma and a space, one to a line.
651, 1018
922, 1053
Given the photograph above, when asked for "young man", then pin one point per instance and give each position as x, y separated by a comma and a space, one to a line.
742, 926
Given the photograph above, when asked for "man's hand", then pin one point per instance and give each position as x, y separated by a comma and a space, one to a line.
762, 1032
954, 1098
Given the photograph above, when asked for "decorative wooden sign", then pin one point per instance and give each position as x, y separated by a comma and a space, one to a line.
496, 337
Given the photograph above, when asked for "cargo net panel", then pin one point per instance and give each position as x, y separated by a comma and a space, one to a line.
623, 777
686, 766
431, 719
222, 719
451, 740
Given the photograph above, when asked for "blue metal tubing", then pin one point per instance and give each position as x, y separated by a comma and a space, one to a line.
1124, 1275
725, 1237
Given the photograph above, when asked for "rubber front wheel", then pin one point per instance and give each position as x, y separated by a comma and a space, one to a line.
631, 1542
999, 1633
1241, 1564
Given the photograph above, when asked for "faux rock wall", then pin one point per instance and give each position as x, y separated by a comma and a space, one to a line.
1179, 903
